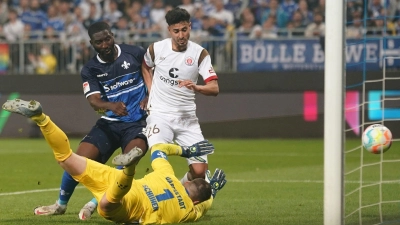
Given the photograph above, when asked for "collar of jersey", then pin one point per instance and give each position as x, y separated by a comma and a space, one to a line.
118, 50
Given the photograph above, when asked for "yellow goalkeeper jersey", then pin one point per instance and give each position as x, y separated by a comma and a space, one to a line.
167, 200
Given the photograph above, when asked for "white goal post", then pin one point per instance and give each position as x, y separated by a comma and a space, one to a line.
333, 112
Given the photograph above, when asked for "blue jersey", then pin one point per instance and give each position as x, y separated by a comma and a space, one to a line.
118, 81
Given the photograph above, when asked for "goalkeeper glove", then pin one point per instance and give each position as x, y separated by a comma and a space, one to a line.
217, 181
198, 149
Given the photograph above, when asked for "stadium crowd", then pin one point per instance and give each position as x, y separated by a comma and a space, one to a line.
66, 22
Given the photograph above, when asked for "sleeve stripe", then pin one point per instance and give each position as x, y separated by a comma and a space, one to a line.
211, 78
158, 154
145, 64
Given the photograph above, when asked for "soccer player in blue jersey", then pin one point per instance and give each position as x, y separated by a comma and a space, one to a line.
114, 86
158, 198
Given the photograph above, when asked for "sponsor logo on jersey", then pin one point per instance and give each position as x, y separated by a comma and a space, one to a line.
102, 75
189, 61
171, 82
125, 65
173, 72
86, 87
118, 84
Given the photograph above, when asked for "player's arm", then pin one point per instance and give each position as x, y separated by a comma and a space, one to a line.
159, 153
101, 106
206, 70
147, 67
198, 149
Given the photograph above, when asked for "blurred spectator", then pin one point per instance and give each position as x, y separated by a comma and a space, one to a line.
22, 7
3, 12
64, 12
296, 26
312, 4
274, 10
197, 23
53, 20
45, 63
139, 26
320, 8
14, 28
236, 7
13, 31
306, 14
189, 6
258, 6
93, 16
354, 9
379, 28
157, 13
113, 14
222, 16
122, 30
375, 7
269, 28
87, 9
160, 29
207, 5
247, 24
316, 28
355, 30
35, 17
289, 6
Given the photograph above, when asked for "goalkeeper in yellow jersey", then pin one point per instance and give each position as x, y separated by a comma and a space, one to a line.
157, 198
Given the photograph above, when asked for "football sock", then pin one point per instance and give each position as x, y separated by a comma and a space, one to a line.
120, 186
185, 178
41, 119
54, 136
67, 187
94, 201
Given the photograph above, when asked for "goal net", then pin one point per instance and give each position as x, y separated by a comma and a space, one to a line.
371, 181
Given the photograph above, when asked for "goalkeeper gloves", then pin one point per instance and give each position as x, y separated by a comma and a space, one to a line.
217, 181
198, 149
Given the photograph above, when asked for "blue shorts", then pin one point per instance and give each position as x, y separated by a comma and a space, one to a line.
108, 136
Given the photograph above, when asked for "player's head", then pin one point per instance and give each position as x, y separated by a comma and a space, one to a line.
102, 40
199, 190
178, 21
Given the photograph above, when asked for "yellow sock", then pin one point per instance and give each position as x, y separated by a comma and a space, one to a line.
54, 136
169, 149
119, 188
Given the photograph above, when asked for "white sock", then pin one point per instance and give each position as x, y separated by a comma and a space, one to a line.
184, 178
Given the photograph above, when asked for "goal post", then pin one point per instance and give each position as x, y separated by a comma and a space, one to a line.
333, 112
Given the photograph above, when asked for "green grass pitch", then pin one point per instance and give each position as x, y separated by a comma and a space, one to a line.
275, 182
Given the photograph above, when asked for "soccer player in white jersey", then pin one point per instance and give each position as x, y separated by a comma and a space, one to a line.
171, 68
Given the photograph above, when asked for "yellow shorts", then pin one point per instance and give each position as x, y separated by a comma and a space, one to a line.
98, 177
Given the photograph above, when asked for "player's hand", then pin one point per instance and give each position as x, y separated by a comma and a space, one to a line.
217, 181
188, 84
119, 108
198, 149
143, 103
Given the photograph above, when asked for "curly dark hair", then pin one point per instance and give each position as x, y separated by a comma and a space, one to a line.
177, 15
97, 27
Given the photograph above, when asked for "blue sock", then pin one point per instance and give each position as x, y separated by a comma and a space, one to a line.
68, 185
94, 201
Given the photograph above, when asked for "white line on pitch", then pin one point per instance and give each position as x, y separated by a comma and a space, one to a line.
234, 181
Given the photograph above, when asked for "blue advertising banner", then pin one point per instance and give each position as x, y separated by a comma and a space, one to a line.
308, 55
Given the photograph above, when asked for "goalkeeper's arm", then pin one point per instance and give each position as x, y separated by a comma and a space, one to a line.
198, 149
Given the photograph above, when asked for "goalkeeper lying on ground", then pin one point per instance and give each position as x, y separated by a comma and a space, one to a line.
157, 198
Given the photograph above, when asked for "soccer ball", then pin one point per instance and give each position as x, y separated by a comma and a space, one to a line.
377, 138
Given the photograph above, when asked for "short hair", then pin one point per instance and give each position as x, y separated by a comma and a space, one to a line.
97, 27
203, 190
177, 15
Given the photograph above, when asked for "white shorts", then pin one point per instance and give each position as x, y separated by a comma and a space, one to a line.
185, 131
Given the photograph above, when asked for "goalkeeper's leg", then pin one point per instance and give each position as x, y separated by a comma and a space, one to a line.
54, 136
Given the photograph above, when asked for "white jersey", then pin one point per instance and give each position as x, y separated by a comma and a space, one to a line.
169, 68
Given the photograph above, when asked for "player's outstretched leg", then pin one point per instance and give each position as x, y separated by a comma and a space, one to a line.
123, 183
25, 108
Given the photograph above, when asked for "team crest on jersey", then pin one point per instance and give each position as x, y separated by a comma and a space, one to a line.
86, 87
125, 65
189, 61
